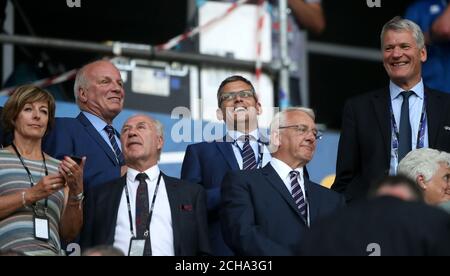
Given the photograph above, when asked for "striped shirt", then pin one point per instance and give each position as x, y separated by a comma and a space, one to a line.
17, 229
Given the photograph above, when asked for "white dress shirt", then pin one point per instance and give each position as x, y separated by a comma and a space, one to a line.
416, 102
161, 232
283, 170
235, 135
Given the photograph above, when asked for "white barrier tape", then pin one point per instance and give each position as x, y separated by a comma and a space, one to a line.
176, 40
44, 82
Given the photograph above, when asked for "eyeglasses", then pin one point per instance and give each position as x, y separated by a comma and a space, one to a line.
303, 130
229, 96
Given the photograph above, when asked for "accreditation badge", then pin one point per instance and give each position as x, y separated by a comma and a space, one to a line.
41, 228
137, 247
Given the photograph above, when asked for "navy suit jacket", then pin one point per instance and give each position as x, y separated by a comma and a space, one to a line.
77, 136
189, 224
260, 217
392, 226
364, 152
207, 163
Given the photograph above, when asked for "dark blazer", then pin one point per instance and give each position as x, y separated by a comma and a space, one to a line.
259, 215
77, 136
207, 163
189, 225
383, 226
365, 144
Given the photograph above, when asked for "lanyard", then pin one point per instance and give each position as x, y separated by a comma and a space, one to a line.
30, 176
420, 135
260, 152
147, 230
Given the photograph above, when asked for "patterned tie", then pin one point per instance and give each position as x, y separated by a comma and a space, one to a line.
248, 155
142, 212
112, 138
404, 143
297, 194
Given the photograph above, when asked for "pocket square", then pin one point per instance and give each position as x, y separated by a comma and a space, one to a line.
186, 207
447, 128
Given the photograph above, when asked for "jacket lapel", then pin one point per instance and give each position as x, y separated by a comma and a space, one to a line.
434, 110
96, 136
226, 149
112, 201
312, 200
174, 201
274, 179
381, 105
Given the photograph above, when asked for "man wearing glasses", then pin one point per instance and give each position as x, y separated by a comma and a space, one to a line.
242, 148
267, 212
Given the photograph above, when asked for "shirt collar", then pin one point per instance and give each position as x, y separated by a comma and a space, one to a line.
98, 123
152, 173
283, 169
395, 90
235, 135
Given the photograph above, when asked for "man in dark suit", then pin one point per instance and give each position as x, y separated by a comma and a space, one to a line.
207, 163
393, 222
267, 211
381, 127
100, 95
168, 214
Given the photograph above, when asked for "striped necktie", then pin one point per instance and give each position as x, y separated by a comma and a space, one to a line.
112, 139
297, 194
248, 155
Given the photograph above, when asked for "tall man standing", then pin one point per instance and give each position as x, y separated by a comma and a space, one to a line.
243, 148
379, 128
100, 95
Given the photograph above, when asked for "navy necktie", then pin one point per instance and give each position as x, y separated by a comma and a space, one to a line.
405, 136
248, 155
112, 139
142, 213
297, 195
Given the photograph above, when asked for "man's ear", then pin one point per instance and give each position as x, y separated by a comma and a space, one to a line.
275, 142
160, 143
219, 114
258, 108
82, 95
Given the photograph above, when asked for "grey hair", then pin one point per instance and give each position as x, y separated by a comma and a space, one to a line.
400, 24
159, 127
80, 81
280, 117
424, 162
160, 131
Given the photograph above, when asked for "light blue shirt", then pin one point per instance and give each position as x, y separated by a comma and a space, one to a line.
416, 102
235, 135
99, 125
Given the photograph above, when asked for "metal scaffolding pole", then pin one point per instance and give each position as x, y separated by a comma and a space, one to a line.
284, 88
136, 51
